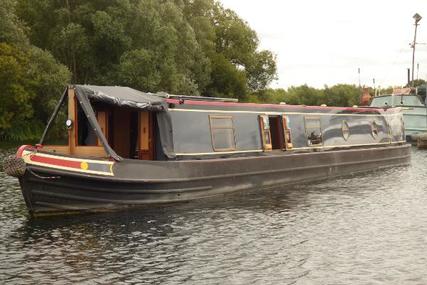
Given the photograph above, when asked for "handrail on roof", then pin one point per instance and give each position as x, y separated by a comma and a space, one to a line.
196, 98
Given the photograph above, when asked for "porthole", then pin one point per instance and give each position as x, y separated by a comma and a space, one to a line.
345, 130
374, 129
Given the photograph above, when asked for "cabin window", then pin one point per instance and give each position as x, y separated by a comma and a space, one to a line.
222, 133
265, 132
57, 133
313, 131
374, 129
345, 128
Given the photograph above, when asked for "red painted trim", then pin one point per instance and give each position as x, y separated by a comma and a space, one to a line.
55, 161
22, 148
276, 106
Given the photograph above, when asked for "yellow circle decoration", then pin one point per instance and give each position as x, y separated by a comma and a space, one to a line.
84, 165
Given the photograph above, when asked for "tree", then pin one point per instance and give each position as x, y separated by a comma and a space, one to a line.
11, 28
305, 95
227, 81
30, 80
186, 43
416, 83
16, 93
261, 71
342, 95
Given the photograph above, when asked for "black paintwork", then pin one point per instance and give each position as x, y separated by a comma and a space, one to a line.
191, 169
144, 182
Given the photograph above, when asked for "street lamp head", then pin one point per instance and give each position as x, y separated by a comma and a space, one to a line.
417, 18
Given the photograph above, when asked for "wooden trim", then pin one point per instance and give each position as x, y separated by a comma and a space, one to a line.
62, 149
264, 133
211, 118
144, 131
102, 118
145, 136
287, 134
90, 151
72, 132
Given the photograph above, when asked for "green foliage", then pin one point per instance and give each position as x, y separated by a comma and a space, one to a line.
173, 46
338, 95
16, 94
305, 95
11, 28
342, 95
416, 83
30, 80
227, 81
191, 47
274, 96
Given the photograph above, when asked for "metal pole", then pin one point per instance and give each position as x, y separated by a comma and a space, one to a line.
413, 53
417, 18
409, 77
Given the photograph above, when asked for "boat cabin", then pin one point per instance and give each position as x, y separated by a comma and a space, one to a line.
413, 109
122, 123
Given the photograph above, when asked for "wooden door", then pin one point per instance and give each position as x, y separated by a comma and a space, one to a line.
146, 140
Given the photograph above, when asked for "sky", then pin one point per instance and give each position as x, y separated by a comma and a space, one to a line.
325, 42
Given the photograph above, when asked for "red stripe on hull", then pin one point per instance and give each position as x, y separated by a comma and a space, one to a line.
55, 161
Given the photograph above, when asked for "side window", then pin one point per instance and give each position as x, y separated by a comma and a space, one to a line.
264, 123
313, 131
222, 133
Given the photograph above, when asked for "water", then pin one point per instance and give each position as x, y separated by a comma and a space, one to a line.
363, 229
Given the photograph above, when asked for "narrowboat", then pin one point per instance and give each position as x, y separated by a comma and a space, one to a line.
413, 108
108, 147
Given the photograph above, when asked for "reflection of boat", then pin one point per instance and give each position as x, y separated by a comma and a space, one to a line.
414, 111
122, 147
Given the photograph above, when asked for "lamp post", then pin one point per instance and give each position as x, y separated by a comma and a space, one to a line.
417, 18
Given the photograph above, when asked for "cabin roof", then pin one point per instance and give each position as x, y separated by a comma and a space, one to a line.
122, 96
128, 97
206, 105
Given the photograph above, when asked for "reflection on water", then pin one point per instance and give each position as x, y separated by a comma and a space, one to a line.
362, 229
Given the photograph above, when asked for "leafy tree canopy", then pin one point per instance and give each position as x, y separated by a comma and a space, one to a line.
178, 46
30, 79
337, 95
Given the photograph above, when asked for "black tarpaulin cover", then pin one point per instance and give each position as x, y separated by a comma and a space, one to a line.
122, 96
126, 97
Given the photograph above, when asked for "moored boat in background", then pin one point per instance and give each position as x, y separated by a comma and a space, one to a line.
112, 147
413, 108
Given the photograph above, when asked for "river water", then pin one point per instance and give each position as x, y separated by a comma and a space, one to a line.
368, 228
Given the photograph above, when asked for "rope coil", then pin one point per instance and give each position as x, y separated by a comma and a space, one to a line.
14, 166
